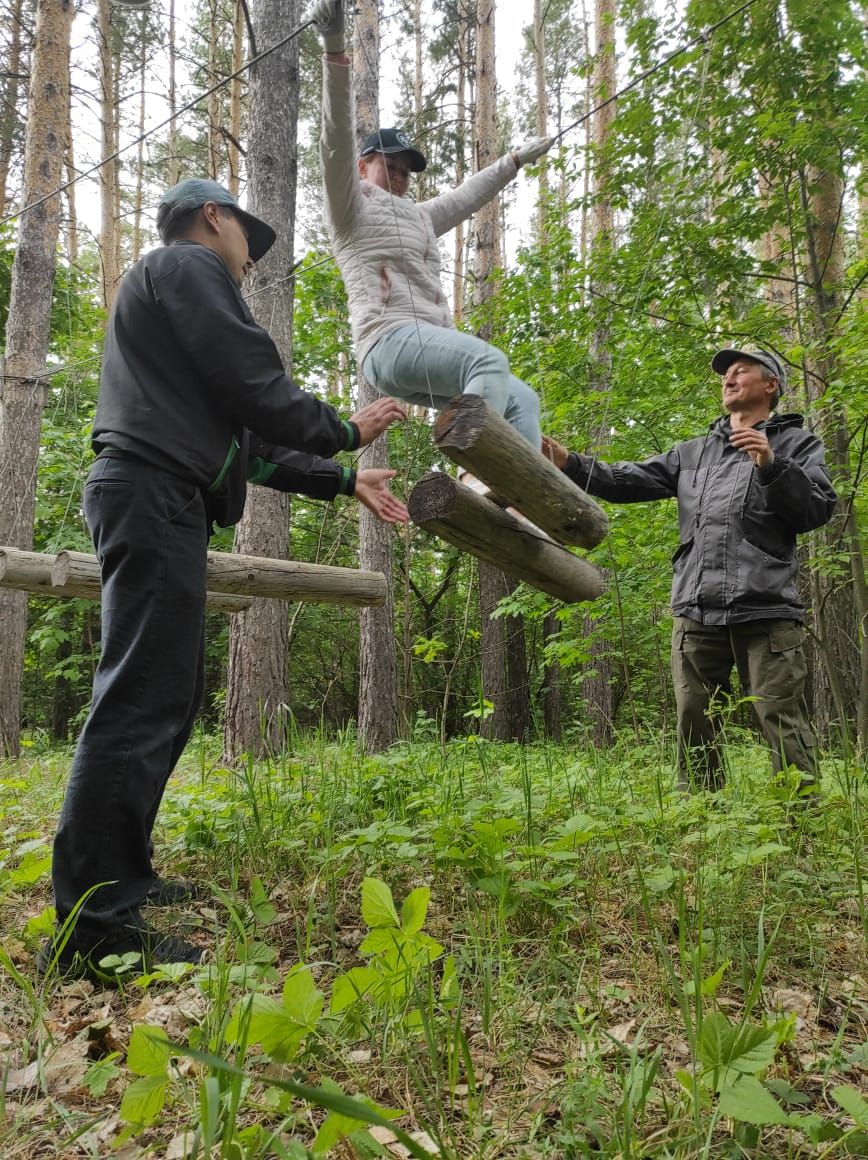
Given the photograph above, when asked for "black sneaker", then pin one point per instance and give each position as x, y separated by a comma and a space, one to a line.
73, 961
172, 892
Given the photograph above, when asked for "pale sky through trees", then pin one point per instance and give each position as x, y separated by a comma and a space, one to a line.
85, 104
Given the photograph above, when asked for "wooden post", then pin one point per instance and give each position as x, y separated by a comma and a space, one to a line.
445, 507
259, 576
33, 572
481, 441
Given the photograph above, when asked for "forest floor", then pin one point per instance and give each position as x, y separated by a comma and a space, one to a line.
510, 951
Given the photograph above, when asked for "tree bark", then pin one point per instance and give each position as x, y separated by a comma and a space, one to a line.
258, 694
378, 668
22, 394
503, 653
841, 605
9, 112
108, 245
597, 683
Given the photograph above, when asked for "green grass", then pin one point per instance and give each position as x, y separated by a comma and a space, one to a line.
604, 966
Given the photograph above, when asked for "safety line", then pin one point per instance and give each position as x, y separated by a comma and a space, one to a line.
156, 128
698, 39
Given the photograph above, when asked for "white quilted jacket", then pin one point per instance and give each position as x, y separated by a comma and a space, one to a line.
386, 246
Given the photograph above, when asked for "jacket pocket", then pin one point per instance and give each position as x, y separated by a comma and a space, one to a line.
682, 574
762, 579
385, 285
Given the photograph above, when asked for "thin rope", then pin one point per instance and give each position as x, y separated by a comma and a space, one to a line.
156, 128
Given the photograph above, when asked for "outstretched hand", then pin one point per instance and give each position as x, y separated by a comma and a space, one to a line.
376, 417
555, 451
371, 490
531, 151
328, 19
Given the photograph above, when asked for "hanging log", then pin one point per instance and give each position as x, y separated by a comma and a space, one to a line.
441, 505
481, 441
260, 576
33, 572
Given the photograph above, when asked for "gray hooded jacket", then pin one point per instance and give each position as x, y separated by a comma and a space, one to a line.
737, 558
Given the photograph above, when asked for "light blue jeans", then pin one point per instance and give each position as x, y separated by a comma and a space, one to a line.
428, 365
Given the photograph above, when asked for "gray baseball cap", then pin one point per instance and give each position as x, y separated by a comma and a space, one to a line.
193, 192
725, 358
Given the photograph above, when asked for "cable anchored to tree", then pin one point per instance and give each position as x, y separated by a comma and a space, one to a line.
701, 38
162, 125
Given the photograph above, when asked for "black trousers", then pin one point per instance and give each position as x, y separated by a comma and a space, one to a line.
150, 531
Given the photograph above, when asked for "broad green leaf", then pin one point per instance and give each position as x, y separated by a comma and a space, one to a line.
724, 1048
149, 1051
261, 904
302, 998
853, 1103
378, 907
747, 1100
337, 1125
144, 1099
354, 985
414, 910
382, 939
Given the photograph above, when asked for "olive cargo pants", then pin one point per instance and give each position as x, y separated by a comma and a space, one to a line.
770, 659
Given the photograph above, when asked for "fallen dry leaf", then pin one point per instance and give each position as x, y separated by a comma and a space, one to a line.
22, 1078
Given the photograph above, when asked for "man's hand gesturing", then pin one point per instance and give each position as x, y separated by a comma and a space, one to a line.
755, 443
376, 417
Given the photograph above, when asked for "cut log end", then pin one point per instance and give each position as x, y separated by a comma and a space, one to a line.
447, 509
481, 441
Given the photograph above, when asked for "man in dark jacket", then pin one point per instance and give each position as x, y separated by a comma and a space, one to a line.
193, 401
745, 490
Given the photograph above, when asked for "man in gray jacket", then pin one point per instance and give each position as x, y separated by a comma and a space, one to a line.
745, 490
387, 249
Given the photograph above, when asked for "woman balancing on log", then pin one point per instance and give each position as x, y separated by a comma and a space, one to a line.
386, 248
193, 403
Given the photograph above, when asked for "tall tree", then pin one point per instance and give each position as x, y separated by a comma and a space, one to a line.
108, 173
504, 656
13, 58
22, 397
257, 694
378, 669
597, 684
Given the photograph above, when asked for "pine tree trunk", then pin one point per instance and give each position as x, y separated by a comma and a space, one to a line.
258, 694
71, 212
378, 668
503, 653
140, 152
108, 170
841, 604
172, 176
463, 33
597, 684
233, 151
9, 112
22, 394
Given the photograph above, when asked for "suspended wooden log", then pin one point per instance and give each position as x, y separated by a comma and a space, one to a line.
260, 576
481, 441
452, 511
33, 572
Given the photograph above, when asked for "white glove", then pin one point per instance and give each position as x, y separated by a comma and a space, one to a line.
328, 19
532, 150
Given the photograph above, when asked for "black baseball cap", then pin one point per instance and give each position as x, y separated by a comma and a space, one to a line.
724, 359
193, 192
393, 141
